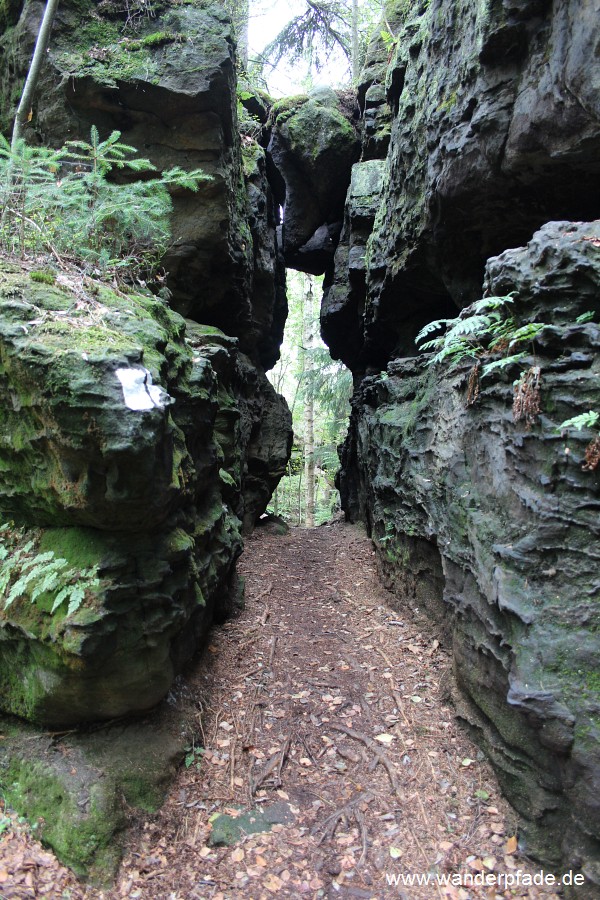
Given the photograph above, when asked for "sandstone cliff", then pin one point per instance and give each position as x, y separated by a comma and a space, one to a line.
480, 125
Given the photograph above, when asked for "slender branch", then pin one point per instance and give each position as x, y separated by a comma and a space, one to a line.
39, 54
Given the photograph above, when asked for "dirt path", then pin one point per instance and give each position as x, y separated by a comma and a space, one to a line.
324, 708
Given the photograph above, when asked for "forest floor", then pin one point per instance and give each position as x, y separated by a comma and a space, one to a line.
325, 711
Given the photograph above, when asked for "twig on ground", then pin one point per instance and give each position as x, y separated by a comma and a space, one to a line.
273, 768
360, 821
272, 650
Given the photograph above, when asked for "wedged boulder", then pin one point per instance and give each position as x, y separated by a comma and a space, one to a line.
493, 527
313, 146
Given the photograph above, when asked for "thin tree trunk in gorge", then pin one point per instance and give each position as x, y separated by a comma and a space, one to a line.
355, 53
309, 411
39, 54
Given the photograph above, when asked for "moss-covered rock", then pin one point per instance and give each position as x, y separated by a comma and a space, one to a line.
314, 144
72, 448
122, 482
113, 65
80, 789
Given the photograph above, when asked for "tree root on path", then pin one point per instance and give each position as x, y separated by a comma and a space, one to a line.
351, 808
380, 757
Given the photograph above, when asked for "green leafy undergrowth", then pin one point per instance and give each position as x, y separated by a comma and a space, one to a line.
40, 577
485, 328
64, 203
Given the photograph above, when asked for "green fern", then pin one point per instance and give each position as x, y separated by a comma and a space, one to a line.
26, 573
483, 327
585, 420
499, 364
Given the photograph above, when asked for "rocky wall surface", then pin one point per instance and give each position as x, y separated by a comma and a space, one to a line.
151, 498
488, 117
492, 526
164, 76
124, 448
139, 435
481, 134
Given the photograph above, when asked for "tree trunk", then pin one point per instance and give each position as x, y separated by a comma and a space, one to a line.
239, 11
242, 35
39, 55
309, 409
355, 47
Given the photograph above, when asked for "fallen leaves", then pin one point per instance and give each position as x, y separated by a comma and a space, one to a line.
346, 708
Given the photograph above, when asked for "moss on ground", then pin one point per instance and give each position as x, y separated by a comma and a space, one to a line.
84, 842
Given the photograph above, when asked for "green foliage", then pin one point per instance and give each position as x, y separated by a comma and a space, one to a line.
63, 202
389, 40
43, 277
313, 35
193, 756
483, 328
585, 317
306, 374
40, 576
585, 420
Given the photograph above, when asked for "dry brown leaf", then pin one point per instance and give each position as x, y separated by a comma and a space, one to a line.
511, 845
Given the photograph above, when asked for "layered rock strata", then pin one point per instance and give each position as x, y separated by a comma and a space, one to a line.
481, 125
135, 443
491, 115
493, 528
126, 446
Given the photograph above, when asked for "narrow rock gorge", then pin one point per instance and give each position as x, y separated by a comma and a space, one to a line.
466, 166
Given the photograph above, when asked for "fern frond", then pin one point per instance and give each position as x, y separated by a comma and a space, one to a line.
37, 560
500, 364
472, 325
526, 333
433, 344
433, 326
76, 595
60, 597
585, 420
489, 303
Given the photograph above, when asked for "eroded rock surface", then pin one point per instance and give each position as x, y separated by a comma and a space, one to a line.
481, 126
132, 442
146, 480
493, 527
165, 78
488, 117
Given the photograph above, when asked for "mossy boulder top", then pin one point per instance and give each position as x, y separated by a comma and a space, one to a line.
314, 144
